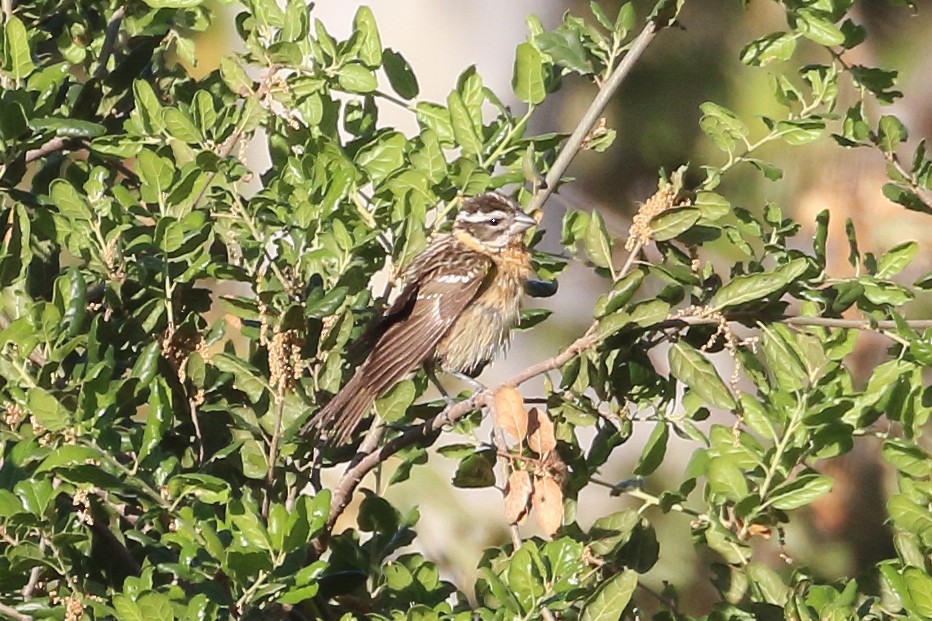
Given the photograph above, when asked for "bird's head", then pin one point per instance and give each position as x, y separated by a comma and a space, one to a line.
492, 220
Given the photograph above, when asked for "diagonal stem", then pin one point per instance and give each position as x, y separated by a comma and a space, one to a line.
593, 113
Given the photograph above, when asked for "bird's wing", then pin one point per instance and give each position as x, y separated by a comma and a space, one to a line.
438, 300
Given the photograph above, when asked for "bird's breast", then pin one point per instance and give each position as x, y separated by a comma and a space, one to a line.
483, 328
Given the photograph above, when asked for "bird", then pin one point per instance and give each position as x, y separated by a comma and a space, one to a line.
461, 298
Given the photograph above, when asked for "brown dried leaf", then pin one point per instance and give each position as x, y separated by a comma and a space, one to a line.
518, 496
510, 414
541, 438
759, 530
548, 504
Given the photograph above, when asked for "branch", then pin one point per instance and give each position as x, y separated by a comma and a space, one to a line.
58, 143
593, 113
365, 462
13, 613
821, 322
106, 50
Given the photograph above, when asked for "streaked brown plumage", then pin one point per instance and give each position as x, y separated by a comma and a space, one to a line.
461, 298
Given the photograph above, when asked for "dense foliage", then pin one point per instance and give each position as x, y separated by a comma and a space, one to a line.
171, 318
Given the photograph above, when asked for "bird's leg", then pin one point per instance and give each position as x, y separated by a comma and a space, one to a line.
475, 384
431, 371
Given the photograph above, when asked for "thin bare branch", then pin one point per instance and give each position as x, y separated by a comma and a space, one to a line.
819, 322
58, 143
110, 36
593, 113
13, 613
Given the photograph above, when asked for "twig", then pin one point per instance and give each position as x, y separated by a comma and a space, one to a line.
192, 407
591, 117
113, 29
923, 194
13, 613
273, 451
57, 143
819, 322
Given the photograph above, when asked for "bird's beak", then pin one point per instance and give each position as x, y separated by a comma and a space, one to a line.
522, 223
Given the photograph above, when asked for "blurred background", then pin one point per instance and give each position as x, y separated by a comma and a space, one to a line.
656, 115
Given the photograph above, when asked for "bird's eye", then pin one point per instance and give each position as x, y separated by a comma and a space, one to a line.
494, 221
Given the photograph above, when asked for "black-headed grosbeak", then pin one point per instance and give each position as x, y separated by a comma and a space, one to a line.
461, 298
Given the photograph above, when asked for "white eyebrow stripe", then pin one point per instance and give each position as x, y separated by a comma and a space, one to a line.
482, 216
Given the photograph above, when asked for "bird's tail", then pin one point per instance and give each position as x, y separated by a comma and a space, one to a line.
340, 417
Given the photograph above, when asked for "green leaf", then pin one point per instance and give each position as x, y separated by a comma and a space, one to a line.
400, 75
906, 197
17, 55
369, 49
783, 358
356, 78
148, 106
234, 76
625, 20
907, 458
393, 405
613, 596
155, 171
689, 366
528, 78
69, 455
524, 578
896, 259
429, 158
49, 412
621, 293
712, 206
649, 312
69, 128
598, 243
155, 607
654, 450
673, 222
800, 132
35, 494
159, 418
909, 516
721, 125
463, 129
436, 117
775, 592
180, 125
565, 48
612, 531
919, 585
475, 470
71, 204
383, 157
726, 478
246, 376
800, 492
254, 459
891, 133
775, 47
817, 29
751, 287
126, 609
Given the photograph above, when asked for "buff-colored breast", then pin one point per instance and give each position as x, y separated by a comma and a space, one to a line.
483, 329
